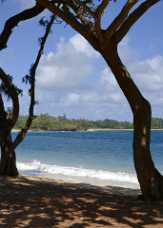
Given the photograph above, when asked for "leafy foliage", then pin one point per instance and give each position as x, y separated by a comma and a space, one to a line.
47, 122
5, 91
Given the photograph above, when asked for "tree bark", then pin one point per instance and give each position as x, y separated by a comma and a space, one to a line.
150, 180
8, 159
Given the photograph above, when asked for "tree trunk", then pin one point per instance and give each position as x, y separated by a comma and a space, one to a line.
150, 180
8, 159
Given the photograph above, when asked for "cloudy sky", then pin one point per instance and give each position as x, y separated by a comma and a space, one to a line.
72, 78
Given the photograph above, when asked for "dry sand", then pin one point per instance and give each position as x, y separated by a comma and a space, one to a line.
40, 202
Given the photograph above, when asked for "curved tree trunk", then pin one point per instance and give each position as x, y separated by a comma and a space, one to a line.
150, 180
8, 159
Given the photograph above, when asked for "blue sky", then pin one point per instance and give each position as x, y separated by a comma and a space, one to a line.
73, 78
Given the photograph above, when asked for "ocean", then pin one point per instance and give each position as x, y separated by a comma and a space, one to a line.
99, 157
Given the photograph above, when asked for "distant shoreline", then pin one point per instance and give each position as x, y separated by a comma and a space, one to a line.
109, 129
88, 130
119, 129
45, 122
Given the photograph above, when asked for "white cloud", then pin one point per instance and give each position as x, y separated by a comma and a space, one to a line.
81, 88
68, 66
148, 74
82, 47
72, 99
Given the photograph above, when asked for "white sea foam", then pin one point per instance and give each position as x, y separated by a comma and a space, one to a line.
48, 169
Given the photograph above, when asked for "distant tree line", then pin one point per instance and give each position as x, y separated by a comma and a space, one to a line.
47, 122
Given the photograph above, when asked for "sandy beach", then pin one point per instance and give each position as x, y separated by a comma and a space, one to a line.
42, 202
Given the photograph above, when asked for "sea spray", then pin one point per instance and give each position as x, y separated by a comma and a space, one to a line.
38, 168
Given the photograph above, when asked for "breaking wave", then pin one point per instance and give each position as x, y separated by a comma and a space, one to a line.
38, 168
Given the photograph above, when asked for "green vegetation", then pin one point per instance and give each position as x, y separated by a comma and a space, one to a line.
60, 123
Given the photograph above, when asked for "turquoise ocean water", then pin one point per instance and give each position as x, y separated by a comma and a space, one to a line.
103, 158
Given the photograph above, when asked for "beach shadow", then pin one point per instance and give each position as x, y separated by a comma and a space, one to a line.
33, 202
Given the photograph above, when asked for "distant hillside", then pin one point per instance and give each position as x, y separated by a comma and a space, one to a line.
46, 122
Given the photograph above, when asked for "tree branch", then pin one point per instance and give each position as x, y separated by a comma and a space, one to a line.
12, 22
2, 119
133, 17
121, 17
32, 78
71, 20
98, 14
13, 93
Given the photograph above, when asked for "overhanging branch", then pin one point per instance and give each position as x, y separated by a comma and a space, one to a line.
133, 18
121, 17
32, 79
12, 22
97, 15
71, 20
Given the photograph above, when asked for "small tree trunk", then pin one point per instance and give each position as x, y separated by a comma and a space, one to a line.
8, 159
150, 180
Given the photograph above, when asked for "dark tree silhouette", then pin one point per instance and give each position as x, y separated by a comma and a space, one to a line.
85, 17
8, 159
7, 122
13, 21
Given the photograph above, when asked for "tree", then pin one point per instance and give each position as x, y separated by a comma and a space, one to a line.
7, 163
8, 146
8, 159
13, 21
85, 17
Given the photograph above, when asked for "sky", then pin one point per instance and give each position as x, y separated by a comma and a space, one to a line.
72, 77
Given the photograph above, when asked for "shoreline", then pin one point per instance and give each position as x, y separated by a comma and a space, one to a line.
88, 130
42, 202
119, 129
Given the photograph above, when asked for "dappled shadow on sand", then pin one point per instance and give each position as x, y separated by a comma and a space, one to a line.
38, 202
